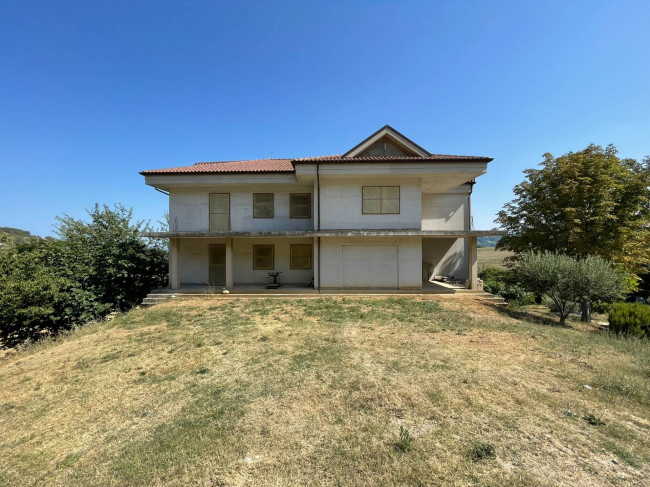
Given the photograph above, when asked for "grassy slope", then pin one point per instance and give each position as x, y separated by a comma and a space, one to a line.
488, 257
313, 392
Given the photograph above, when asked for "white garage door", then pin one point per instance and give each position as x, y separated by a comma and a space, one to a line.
370, 266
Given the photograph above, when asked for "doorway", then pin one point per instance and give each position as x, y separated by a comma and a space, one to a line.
217, 275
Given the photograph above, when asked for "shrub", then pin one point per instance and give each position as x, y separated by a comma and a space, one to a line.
51, 285
503, 282
403, 445
594, 420
630, 319
482, 451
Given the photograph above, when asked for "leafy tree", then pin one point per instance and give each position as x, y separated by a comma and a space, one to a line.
596, 280
96, 266
113, 261
550, 274
567, 280
37, 298
582, 203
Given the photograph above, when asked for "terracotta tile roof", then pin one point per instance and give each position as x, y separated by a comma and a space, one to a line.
287, 165
430, 158
252, 166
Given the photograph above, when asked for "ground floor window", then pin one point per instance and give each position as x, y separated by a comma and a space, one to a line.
300, 256
263, 257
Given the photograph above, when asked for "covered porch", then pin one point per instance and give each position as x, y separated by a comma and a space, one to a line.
192, 266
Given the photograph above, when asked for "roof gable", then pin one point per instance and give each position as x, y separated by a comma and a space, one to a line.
386, 142
385, 145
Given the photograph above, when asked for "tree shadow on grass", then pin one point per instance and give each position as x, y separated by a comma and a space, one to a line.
527, 316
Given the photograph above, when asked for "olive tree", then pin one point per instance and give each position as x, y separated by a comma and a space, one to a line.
568, 280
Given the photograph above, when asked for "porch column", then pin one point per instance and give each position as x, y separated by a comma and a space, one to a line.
315, 262
473, 262
229, 278
315, 202
174, 263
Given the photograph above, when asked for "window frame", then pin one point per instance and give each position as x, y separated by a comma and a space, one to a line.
255, 246
210, 212
309, 204
381, 199
311, 257
272, 205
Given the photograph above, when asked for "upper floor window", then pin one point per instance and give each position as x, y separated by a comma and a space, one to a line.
300, 205
219, 212
380, 200
263, 205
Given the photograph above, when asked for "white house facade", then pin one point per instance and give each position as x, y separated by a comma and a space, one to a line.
387, 214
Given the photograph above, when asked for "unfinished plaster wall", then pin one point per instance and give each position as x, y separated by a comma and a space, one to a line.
341, 204
194, 263
244, 274
189, 208
444, 211
408, 264
447, 256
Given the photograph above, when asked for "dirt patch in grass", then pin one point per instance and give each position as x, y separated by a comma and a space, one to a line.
320, 392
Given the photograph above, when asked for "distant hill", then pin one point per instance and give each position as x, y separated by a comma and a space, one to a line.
16, 235
488, 241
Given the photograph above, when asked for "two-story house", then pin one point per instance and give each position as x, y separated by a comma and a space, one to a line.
386, 214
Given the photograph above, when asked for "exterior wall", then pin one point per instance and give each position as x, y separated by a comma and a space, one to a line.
341, 204
445, 211
448, 256
194, 260
189, 208
194, 263
243, 272
409, 260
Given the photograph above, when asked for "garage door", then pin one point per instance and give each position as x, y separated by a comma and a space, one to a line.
370, 266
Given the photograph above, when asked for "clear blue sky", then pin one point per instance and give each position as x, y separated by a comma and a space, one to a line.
93, 92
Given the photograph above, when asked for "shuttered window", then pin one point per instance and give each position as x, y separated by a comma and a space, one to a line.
300, 256
263, 257
380, 200
219, 212
263, 205
300, 205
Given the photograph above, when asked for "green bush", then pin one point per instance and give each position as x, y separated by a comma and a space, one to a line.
567, 280
482, 451
503, 282
630, 319
51, 285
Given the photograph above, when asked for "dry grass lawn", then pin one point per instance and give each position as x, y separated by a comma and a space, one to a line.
225, 392
489, 257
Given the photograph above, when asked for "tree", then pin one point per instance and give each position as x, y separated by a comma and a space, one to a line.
100, 265
569, 280
596, 280
582, 203
113, 260
37, 298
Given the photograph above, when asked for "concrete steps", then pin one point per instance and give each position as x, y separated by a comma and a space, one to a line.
156, 298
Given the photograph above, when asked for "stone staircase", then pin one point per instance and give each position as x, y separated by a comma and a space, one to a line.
154, 298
